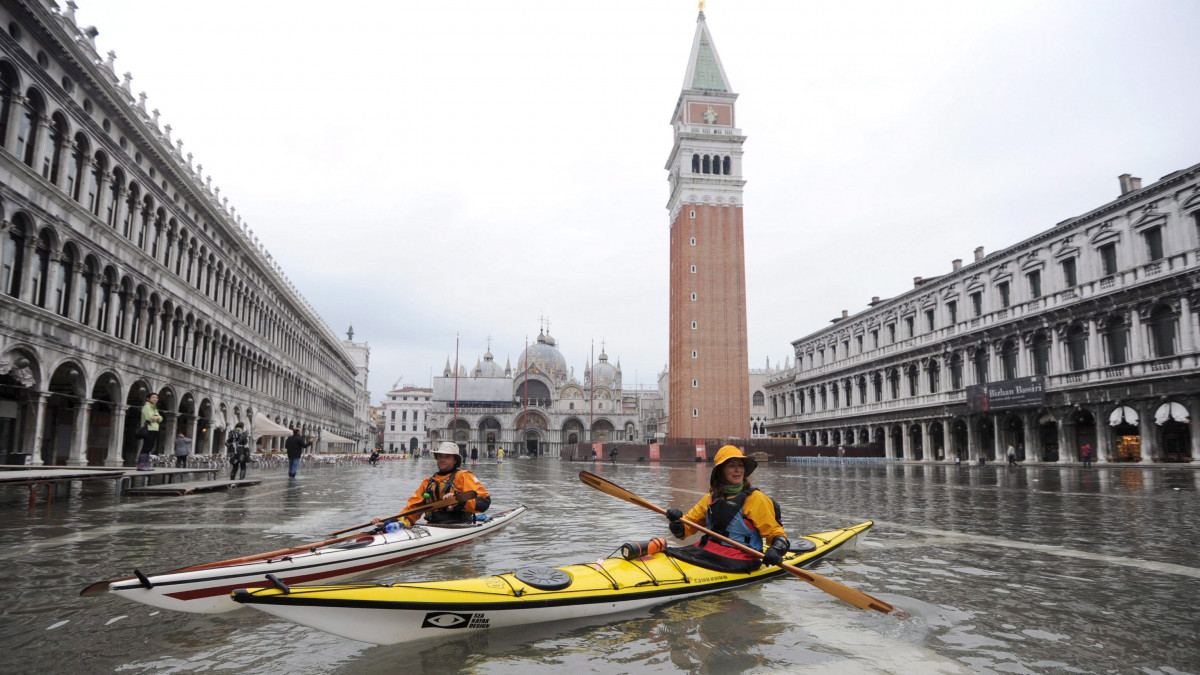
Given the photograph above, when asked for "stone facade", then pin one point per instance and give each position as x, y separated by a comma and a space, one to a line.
535, 406
1083, 334
364, 424
404, 419
708, 355
125, 273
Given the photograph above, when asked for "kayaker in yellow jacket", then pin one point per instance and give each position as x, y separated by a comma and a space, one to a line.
448, 480
736, 510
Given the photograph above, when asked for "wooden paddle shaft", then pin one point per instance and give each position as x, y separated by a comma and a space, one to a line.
456, 498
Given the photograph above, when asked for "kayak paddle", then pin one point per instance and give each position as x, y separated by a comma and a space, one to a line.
841, 591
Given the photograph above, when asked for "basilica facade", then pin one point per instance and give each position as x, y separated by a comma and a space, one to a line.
535, 406
1083, 335
126, 273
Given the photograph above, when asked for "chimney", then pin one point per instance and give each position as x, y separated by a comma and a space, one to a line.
917, 281
978, 253
845, 314
1129, 183
957, 263
874, 301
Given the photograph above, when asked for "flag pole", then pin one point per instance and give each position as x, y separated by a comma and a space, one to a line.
592, 393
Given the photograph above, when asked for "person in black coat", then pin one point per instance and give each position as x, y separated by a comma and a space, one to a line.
295, 445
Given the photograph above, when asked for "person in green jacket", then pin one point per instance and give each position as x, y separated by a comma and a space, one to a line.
150, 420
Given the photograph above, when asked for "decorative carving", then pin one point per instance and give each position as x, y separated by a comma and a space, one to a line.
17, 369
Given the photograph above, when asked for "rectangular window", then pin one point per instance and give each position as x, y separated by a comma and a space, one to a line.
693, 269
858, 342
393, 415
891, 333
695, 383
1154, 243
1005, 299
846, 347
875, 339
693, 297
1068, 271
393, 427
833, 353
929, 325
952, 312
908, 326
692, 241
1035, 284
404, 414
693, 325
977, 303
1108, 259
695, 412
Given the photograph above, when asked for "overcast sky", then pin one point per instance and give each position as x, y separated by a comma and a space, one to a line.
422, 169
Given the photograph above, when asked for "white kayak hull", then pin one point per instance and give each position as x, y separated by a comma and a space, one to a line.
208, 591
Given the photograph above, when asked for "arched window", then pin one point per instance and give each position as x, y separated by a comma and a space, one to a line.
27, 129
956, 371
877, 384
76, 171
1077, 347
725, 165
981, 366
935, 375
1008, 359
132, 199
63, 282
894, 383
52, 167
1039, 349
96, 186
8, 87
14, 256
696, 163
143, 221
913, 381
758, 398
41, 269
1116, 341
1162, 331
707, 164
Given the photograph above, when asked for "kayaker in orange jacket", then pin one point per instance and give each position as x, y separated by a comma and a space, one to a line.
448, 480
736, 510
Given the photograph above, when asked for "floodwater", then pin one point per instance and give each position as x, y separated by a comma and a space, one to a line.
1026, 570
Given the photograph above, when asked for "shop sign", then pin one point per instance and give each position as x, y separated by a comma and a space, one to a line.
1023, 392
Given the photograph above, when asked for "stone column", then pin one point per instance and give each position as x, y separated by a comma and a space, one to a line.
127, 322
39, 425
140, 306
1186, 339
1067, 452
1193, 406
1033, 439
999, 447
1103, 434
28, 292
1148, 431
905, 442
1093, 344
83, 415
1055, 355
72, 298
972, 439
1137, 349
53, 275
118, 207
888, 450
116, 438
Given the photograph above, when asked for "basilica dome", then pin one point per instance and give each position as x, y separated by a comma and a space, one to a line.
489, 367
604, 374
544, 356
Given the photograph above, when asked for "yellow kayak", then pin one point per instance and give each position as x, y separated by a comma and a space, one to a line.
389, 614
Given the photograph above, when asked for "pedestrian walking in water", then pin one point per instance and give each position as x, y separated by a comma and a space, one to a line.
1085, 453
1012, 456
183, 448
148, 432
295, 445
237, 446
474, 454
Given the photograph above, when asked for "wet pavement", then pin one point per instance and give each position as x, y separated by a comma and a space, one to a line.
1013, 570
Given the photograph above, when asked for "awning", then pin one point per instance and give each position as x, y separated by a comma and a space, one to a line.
1171, 411
330, 437
1123, 415
263, 426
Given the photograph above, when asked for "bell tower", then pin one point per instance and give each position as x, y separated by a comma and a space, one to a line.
709, 383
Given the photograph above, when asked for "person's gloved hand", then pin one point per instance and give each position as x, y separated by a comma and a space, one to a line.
676, 528
774, 555
674, 514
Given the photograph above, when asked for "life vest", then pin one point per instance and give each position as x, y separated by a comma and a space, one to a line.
436, 490
725, 517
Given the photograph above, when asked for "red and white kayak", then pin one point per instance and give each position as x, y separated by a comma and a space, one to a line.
206, 591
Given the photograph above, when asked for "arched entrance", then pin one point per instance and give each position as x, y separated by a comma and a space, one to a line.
914, 442
1127, 438
937, 440
987, 438
958, 431
105, 394
897, 434
1048, 432
1176, 439
66, 390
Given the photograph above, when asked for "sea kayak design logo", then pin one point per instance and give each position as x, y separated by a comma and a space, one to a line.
451, 620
